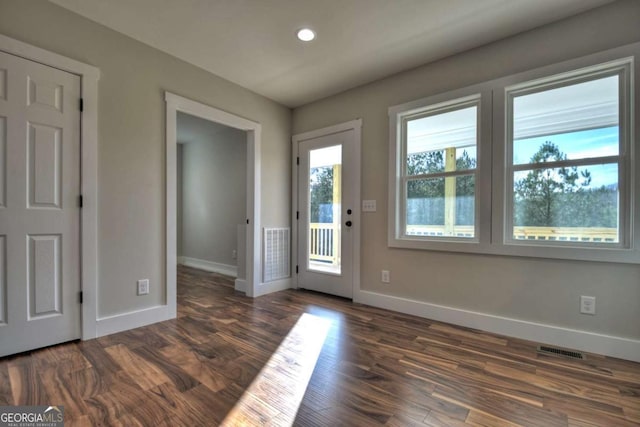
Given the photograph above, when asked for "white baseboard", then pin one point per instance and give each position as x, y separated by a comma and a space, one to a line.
623, 348
134, 319
241, 285
275, 286
214, 267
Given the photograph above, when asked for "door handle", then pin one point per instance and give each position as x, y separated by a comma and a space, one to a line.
348, 223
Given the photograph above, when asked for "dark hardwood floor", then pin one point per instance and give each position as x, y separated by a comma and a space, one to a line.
306, 359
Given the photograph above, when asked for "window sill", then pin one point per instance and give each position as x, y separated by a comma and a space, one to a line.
570, 253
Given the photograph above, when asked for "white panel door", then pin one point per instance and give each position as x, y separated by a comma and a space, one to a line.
326, 203
39, 211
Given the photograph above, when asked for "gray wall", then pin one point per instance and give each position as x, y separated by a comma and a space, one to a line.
540, 290
214, 182
131, 146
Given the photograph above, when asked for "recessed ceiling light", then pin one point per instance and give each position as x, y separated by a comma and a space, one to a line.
306, 34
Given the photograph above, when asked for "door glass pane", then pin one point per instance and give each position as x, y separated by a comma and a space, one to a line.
325, 200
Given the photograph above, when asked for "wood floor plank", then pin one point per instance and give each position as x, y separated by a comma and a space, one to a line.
143, 372
200, 370
438, 419
231, 359
585, 410
99, 360
631, 409
176, 374
59, 389
26, 388
89, 382
6, 395
121, 394
469, 334
476, 418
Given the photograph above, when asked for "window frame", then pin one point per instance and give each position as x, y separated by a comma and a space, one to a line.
622, 70
494, 169
477, 95
430, 111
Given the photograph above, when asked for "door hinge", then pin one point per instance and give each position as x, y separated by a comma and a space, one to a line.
247, 220
296, 269
297, 160
297, 214
80, 201
81, 104
80, 297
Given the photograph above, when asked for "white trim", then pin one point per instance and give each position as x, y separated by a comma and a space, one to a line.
89, 76
33, 53
356, 126
175, 103
134, 319
623, 348
275, 286
492, 185
214, 267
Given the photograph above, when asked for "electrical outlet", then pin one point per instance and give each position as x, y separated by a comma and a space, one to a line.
368, 206
386, 276
587, 305
234, 254
143, 286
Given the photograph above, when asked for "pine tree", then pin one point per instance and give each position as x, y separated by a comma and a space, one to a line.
541, 198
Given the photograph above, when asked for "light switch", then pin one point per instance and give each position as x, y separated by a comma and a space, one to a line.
368, 206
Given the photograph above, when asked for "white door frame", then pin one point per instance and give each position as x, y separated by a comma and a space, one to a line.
253, 129
89, 76
356, 126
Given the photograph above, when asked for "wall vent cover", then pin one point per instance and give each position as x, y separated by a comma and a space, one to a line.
560, 352
276, 263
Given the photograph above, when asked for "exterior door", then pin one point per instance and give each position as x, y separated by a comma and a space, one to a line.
326, 213
39, 210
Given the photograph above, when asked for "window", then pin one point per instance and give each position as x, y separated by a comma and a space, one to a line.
439, 170
565, 161
536, 164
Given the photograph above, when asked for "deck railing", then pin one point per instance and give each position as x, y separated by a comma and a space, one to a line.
567, 234
439, 230
562, 234
324, 242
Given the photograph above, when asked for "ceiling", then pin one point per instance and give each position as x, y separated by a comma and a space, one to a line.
252, 42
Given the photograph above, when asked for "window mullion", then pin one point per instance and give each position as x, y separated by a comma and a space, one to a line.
566, 163
434, 175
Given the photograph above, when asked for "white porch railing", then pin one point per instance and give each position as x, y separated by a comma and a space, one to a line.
324, 242
561, 234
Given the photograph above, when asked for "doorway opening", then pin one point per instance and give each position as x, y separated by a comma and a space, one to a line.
211, 174
248, 274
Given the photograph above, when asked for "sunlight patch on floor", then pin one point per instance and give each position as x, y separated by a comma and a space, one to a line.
275, 394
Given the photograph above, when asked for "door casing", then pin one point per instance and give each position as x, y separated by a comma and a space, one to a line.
175, 103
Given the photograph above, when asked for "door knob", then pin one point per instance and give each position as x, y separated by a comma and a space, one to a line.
348, 211
348, 223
